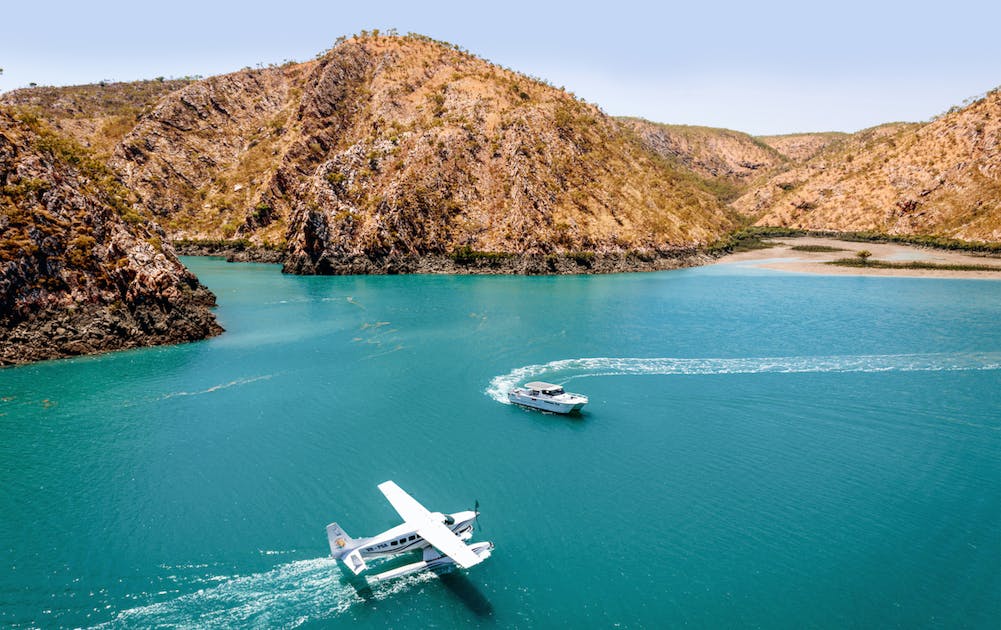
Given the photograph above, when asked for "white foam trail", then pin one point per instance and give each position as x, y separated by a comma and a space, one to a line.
215, 388
567, 369
286, 596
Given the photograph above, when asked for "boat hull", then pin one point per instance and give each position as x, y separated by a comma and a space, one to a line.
545, 404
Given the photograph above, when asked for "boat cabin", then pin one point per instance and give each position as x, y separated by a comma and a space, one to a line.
548, 389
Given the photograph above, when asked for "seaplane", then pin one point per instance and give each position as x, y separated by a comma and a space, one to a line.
440, 537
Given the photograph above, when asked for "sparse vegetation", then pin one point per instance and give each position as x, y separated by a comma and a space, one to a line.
466, 255
936, 242
582, 258
99, 180
882, 264
816, 248
749, 239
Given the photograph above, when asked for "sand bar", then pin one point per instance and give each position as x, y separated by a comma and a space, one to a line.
813, 262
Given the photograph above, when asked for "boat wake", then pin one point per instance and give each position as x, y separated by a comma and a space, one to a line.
287, 596
566, 370
215, 388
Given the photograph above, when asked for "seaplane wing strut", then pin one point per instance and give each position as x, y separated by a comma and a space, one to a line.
428, 526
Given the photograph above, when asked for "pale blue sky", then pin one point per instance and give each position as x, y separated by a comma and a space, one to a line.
762, 67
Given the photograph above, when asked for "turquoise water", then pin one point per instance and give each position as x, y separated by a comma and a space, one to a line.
761, 449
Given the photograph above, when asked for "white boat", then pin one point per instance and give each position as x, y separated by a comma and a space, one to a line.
547, 397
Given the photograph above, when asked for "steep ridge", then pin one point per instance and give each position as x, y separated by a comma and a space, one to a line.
939, 179
80, 270
733, 157
389, 149
203, 159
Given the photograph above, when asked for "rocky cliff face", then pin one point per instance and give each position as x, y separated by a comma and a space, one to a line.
729, 156
204, 158
80, 270
394, 147
939, 179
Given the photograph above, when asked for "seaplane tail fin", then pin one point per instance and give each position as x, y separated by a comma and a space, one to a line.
340, 543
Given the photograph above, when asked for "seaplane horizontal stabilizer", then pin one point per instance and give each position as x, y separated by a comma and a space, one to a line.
354, 562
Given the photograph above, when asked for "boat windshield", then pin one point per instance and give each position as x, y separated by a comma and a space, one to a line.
554, 392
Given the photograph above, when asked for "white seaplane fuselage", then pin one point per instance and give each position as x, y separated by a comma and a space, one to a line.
404, 538
440, 536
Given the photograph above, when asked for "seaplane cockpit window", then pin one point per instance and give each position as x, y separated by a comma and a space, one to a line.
449, 520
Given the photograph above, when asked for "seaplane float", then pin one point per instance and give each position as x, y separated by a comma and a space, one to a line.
547, 397
439, 537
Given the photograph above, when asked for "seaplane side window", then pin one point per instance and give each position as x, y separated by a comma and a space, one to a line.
403, 540
393, 543
414, 537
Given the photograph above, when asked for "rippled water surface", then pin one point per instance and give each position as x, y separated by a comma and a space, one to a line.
761, 449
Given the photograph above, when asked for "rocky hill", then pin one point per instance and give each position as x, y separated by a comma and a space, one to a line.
81, 270
96, 116
939, 179
727, 156
800, 147
390, 148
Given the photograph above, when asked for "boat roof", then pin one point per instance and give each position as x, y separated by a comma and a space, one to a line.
540, 385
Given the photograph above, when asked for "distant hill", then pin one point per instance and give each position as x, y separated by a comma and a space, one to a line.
96, 116
800, 147
401, 146
726, 156
941, 178
81, 270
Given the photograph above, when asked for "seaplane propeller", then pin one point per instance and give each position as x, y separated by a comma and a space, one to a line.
476, 519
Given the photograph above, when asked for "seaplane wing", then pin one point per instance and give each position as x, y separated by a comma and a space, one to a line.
406, 505
449, 544
428, 526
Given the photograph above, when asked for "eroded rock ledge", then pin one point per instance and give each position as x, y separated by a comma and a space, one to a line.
81, 270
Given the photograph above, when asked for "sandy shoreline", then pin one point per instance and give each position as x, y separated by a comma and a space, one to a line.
813, 262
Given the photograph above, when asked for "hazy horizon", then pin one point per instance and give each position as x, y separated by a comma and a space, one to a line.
773, 68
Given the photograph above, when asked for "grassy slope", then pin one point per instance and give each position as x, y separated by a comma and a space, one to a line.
940, 180
97, 116
728, 160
